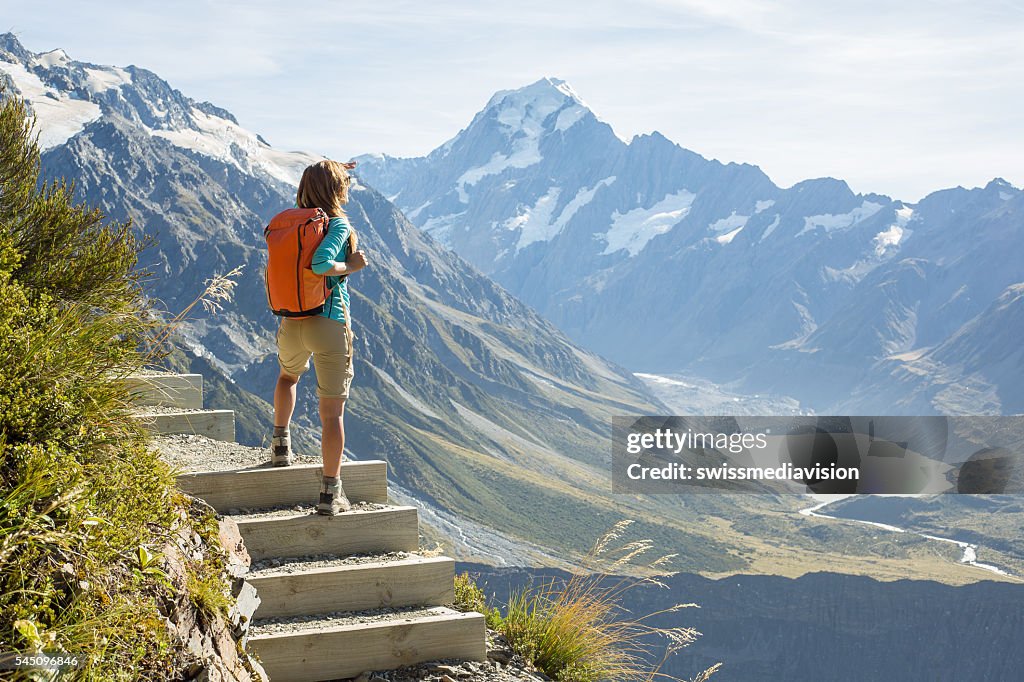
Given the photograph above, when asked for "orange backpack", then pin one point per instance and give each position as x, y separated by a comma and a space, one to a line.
293, 289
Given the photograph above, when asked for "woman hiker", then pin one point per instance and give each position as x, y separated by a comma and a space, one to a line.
326, 336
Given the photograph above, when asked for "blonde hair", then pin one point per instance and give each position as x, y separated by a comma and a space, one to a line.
324, 185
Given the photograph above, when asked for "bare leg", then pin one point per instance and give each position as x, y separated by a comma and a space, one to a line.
332, 444
284, 399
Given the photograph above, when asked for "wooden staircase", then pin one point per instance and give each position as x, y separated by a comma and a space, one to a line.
339, 595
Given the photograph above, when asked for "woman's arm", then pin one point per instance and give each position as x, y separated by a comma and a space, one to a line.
355, 262
331, 258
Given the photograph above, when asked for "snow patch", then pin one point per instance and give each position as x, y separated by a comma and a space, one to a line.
58, 117
771, 228
732, 223
728, 236
227, 141
904, 215
107, 78
632, 230
525, 153
582, 198
841, 221
440, 227
763, 205
534, 223
883, 246
887, 239
569, 117
52, 58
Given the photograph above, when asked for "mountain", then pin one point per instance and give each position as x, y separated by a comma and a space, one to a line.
492, 420
670, 263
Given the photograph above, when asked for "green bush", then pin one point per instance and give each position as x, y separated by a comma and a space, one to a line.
469, 597
82, 498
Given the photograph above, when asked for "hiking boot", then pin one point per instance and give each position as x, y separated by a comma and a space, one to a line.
332, 498
281, 451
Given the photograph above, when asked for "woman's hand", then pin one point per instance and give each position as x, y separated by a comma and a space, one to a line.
356, 261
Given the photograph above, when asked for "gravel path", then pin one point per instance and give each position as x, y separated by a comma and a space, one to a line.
199, 453
149, 410
305, 563
270, 626
502, 664
297, 510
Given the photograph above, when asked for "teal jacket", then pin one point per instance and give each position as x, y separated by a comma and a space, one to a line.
334, 249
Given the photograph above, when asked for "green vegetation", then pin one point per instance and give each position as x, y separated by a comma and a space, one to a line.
469, 597
578, 630
86, 508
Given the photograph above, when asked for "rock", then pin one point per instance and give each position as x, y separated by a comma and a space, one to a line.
445, 669
238, 559
231, 539
498, 648
245, 605
210, 644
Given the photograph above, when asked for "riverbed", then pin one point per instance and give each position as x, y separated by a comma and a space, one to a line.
970, 551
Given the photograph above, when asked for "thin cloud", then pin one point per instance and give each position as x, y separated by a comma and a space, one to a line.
899, 98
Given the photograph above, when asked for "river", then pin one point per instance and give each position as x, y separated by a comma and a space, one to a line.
970, 552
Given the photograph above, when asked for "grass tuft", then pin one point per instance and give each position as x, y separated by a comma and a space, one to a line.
578, 630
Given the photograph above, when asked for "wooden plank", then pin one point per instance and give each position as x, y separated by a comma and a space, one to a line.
346, 651
216, 424
278, 486
419, 581
393, 529
167, 390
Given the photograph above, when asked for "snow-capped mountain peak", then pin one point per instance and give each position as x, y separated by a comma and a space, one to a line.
67, 96
527, 109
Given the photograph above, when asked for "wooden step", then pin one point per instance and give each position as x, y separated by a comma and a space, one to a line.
416, 581
324, 650
391, 529
167, 390
279, 486
216, 424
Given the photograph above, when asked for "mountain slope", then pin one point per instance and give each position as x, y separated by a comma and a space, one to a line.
671, 263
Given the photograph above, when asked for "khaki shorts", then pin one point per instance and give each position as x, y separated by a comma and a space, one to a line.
328, 341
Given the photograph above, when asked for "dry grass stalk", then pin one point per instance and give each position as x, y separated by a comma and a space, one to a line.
578, 630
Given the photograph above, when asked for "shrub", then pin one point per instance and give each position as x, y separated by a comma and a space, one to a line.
83, 500
469, 597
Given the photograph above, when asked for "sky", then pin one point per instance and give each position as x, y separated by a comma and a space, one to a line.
900, 98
